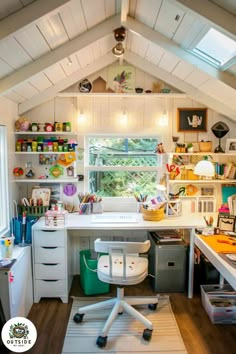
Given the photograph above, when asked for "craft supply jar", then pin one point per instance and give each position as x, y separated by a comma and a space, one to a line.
58, 126
41, 127
34, 127
34, 146
66, 126
18, 146
55, 146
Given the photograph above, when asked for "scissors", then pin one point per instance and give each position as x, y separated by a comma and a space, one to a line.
229, 242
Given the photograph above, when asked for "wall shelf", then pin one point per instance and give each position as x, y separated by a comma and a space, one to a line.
46, 180
116, 95
202, 181
46, 133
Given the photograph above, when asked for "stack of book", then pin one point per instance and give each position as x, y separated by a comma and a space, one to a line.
166, 236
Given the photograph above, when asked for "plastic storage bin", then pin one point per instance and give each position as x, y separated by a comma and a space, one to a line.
221, 310
89, 281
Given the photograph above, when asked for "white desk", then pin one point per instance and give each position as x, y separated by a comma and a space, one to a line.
225, 269
190, 222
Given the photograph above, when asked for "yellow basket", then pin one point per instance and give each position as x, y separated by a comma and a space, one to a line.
153, 215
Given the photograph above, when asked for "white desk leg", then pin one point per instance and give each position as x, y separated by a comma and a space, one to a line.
222, 280
191, 264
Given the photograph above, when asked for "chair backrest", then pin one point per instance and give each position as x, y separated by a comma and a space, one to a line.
123, 249
128, 247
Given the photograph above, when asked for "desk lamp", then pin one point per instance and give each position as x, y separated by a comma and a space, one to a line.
219, 129
204, 168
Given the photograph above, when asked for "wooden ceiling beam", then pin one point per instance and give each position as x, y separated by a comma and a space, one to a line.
167, 44
60, 53
28, 15
172, 80
52, 91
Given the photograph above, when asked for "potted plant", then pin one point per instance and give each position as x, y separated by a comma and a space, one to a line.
190, 147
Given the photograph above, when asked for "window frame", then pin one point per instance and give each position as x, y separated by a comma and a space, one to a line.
88, 168
4, 183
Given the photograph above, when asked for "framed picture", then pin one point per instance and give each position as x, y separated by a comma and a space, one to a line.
192, 120
230, 146
226, 223
121, 79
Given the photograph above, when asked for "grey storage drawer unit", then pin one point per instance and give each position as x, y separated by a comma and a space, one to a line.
167, 263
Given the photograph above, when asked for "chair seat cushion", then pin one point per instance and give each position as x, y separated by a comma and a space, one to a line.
136, 269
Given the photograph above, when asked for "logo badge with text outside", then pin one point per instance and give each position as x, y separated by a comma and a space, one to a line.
19, 334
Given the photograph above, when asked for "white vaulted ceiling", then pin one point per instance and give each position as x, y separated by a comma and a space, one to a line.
38, 38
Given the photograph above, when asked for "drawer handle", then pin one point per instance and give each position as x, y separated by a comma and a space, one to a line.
49, 248
50, 264
50, 280
48, 230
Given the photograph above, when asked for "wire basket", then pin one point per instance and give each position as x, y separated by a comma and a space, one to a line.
38, 210
153, 215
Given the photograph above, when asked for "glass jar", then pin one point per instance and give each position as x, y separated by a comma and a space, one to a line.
34, 127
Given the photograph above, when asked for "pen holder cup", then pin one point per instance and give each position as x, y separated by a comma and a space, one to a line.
85, 208
97, 208
139, 207
6, 247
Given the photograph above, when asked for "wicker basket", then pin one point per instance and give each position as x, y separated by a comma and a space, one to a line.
153, 215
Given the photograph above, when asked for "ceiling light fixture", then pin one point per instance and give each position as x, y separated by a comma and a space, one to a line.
69, 61
118, 50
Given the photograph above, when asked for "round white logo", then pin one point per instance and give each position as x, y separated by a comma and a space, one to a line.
19, 334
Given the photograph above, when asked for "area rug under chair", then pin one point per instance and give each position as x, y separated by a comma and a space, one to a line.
125, 335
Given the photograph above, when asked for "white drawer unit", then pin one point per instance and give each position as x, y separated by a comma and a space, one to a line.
50, 264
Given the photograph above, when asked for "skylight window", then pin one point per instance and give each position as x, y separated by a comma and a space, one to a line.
216, 48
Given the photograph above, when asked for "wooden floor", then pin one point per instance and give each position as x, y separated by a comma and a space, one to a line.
200, 336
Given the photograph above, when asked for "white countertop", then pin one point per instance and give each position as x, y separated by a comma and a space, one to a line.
83, 222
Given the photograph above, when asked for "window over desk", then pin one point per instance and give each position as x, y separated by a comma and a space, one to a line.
120, 166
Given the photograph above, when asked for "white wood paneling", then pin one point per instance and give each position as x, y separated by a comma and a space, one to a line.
27, 15
69, 48
55, 73
13, 54
85, 56
183, 69
73, 18
53, 30
94, 11
32, 40
154, 54
110, 8
216, 15
167, 23
14, 96
106, 44
70, 67
168, 61
196, 78
147, 14
188, 29
26, 90
63, 84
5, 69
40, 82
139, 45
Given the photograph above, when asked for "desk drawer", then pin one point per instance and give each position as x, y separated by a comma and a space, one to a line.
49, 271
49, 238
49, 254
50, 288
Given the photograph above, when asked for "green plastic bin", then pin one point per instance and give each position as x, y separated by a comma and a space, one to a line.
89, 281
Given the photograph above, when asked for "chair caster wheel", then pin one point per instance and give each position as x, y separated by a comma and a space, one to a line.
147, 334
78, 317
152, 307
101, 341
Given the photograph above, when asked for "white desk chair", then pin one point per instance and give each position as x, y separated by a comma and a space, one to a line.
122, 266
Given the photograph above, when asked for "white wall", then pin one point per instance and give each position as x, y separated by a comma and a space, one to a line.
8, 115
